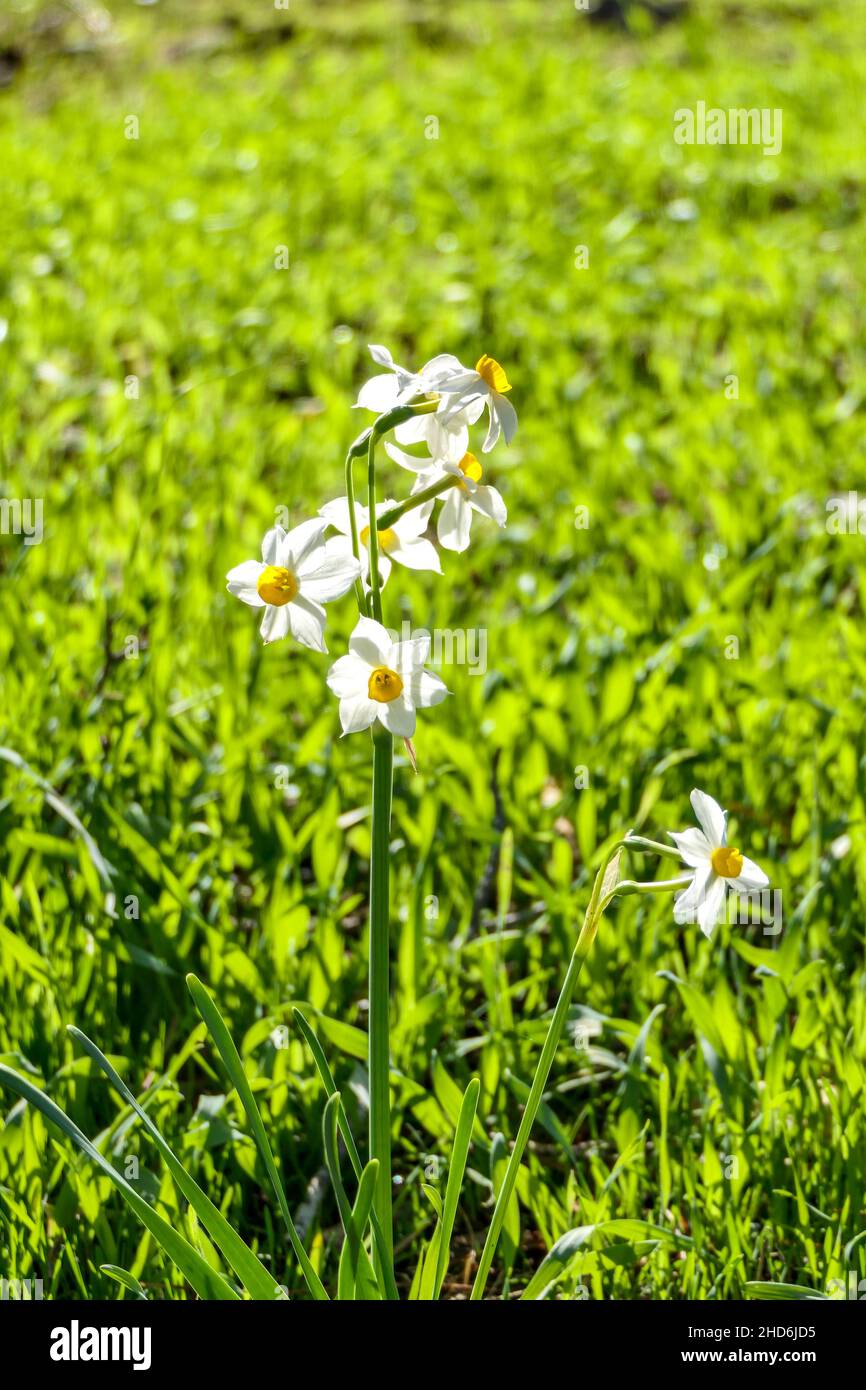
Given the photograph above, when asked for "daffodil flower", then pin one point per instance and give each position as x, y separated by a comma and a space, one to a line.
397, 384
489, 383
403, 542
296, 575
468, 494
384, 680
717, 866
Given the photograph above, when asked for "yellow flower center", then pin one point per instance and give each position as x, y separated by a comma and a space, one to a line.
277, 585
384, 685
490, 371
727, 861
470, 468
387, 538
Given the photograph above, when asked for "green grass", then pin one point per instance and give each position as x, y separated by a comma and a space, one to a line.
721, 1094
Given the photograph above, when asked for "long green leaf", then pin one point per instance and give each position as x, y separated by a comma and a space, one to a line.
206, 1282
235, 1068
257, 1281
456, 1170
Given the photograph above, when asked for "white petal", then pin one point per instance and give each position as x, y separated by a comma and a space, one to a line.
455, 521
411, 655
379, 393
710, 909
687, 903
444, 369
357, 712
493, 428
711, 817
414, 523
751, 878
415, 430
348, 676
307, 623
489, 503
693, 846
337, 514
370, 642
398, 716
242, 581
333, 576
275, 623
427, 689
271, 545
507, 415
417, 555
301, 542
380, 355
411, 461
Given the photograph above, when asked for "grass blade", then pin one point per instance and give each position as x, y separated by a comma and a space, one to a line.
456, 1170
206, 1282
327, 1078
257, 1281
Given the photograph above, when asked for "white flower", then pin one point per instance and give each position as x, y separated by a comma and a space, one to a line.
402, 542
296, 575
468, 494
489, 382
384, 680
398, 384
717, 865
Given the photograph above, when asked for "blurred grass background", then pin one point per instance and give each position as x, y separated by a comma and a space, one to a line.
164, 388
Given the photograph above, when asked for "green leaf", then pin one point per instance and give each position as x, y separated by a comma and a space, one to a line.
234, 1066
456, 1170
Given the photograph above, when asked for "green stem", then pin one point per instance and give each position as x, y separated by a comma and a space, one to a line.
542, 1072
416, 500
353, 521
379, 1049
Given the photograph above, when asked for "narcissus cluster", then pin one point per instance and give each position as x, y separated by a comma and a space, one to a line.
432, 409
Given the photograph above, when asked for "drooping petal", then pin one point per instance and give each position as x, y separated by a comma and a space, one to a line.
455, 521
348, 676
370, 641
489, 503
306, 622
242, 580
271, 545
711, 817
693, 846
507, 415
710, 909
417, 555
414, 430
751, 878
329, 576
443, 370
275, 623
357, 712
398, 716
493, 428
414, 463
687, 903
